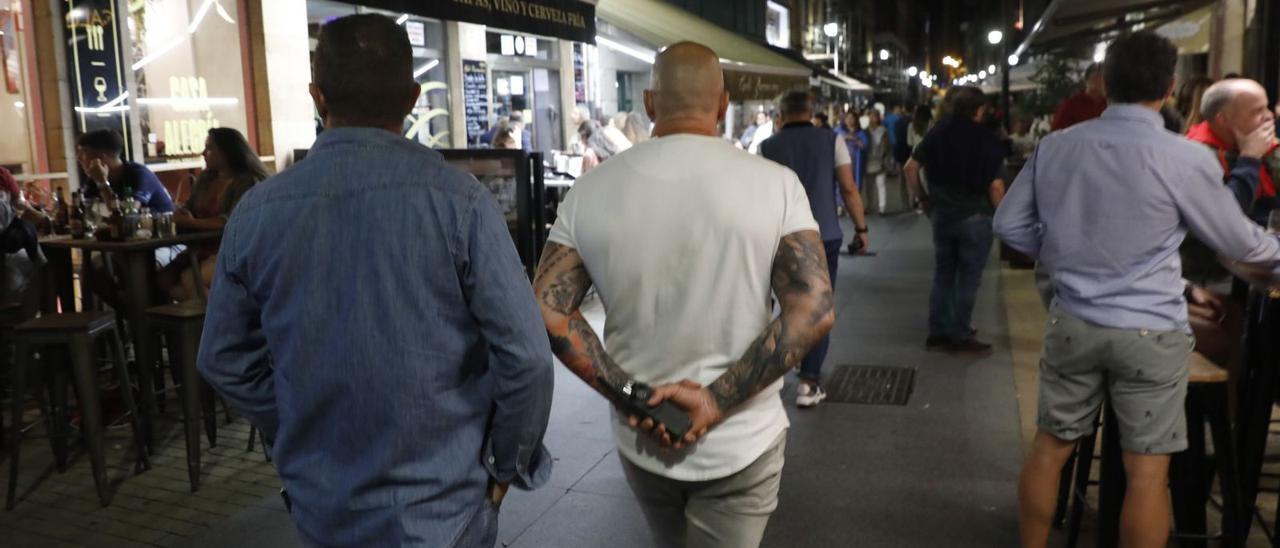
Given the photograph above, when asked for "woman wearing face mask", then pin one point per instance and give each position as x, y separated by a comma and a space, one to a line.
231, 169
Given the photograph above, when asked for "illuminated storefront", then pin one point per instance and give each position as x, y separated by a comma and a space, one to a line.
21, 143
188, 74
429, 123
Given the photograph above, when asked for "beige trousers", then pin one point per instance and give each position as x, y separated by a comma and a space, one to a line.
730, 512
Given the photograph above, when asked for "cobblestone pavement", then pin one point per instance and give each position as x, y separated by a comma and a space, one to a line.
155, 508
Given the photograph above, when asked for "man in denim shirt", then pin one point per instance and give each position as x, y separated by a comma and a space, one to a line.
370, 314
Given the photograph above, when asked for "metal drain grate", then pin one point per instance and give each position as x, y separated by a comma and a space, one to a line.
871, 384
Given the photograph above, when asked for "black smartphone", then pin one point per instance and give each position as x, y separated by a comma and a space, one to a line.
674, 419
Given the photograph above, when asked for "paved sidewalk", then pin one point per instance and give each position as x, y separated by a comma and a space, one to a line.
940, 471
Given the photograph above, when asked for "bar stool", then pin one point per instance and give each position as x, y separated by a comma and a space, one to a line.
1189, 479
1189, 471
75, 334
182, 324
10, 317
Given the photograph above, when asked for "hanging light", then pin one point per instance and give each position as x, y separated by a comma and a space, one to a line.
991, 69
912, 71
884, 55
1100, 52
831, 30
994, 37
1013, 60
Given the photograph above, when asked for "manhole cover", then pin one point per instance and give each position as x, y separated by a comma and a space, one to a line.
871, 384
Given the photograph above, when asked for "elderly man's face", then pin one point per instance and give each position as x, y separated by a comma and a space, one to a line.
1248, 111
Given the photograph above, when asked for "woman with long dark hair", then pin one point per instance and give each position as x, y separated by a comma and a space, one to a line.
231, 169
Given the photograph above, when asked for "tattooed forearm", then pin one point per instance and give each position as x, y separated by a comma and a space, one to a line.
803, 287
561, 284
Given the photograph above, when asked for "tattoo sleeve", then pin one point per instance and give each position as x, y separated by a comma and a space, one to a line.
561, 283
803, 286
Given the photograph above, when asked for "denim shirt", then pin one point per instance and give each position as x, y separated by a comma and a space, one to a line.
370, 314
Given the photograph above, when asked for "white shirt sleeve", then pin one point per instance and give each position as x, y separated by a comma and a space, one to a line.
798, 216
842, 153
562, 231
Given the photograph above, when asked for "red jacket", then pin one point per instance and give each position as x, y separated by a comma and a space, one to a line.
1201, 133
1080, 107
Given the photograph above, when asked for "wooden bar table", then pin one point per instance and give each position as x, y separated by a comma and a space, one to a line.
138, 260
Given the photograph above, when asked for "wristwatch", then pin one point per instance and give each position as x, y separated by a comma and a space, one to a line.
862, 230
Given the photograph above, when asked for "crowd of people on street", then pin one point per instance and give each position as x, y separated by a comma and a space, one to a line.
764, 210
716, 260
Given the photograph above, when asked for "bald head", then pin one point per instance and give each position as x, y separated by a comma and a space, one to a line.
1236, 105
687, 84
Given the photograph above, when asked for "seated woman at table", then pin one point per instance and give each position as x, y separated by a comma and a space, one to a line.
231, 169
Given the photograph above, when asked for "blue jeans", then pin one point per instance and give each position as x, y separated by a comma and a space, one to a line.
811, 365
960, 254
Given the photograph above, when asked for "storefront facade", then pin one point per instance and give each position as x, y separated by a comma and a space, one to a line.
632, 31
22, 142
494, 59
162, 72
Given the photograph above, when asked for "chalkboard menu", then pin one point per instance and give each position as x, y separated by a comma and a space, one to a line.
475, 96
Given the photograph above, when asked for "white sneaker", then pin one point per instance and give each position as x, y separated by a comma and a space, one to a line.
809, 394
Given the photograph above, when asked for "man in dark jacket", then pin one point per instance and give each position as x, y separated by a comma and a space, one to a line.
820, 160
965, 163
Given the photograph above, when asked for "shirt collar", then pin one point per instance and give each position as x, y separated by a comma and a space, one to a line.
357, 135
798, 124
1133, 112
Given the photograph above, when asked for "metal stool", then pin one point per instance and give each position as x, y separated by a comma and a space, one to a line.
182, 324
1189, 472
75, 334
10, 316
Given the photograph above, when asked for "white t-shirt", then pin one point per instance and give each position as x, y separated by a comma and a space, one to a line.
679, 234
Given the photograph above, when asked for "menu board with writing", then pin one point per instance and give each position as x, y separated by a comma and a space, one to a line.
93, 60
579, 74
475, 97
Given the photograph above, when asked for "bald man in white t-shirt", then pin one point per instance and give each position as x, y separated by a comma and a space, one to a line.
685, 239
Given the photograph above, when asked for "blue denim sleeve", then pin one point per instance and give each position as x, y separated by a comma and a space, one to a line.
501, 301
233, 356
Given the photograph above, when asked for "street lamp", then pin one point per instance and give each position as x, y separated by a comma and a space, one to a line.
991, 69
884, 55
1013, 60
982, 75
831, 30
994, 37
912, 71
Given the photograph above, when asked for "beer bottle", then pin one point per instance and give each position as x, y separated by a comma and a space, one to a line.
77, 219
60, 212
115, 223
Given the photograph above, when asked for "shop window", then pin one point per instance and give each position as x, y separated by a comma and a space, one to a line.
15, 112
189, 73
428, 123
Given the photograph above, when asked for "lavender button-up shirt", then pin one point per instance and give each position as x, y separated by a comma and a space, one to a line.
1104, 206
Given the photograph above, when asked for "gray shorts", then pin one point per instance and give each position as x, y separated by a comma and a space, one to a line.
1144, 371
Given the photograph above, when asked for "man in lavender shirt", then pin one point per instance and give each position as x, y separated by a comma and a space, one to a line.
1104, 206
